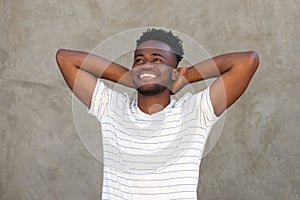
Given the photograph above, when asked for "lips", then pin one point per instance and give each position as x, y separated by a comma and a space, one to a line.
147, 75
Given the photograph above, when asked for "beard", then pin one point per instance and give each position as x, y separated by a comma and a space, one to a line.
150, 90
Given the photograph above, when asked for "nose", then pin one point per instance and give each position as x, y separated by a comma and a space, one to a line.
146, 65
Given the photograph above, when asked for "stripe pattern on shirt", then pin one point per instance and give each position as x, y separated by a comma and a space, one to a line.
151, 156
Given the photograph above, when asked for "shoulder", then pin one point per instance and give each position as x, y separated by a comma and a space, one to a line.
199, 104
106, 98
197, 97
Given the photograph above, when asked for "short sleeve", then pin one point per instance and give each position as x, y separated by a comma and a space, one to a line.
99, 100
206, 110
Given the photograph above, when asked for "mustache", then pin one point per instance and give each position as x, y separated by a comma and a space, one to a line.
148, 71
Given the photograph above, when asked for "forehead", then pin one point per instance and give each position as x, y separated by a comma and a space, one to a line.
153, 47
154, 44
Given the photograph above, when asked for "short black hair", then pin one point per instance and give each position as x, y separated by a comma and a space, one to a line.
167, 37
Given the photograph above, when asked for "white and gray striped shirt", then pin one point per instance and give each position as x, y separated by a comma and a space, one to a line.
151, 156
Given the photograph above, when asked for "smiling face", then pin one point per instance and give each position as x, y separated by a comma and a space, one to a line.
153, 68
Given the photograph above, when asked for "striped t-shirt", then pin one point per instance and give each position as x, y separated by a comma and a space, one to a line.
151, 156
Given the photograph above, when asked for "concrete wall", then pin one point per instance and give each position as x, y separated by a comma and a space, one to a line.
41, 155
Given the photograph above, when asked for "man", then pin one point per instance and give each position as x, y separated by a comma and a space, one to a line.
152, 145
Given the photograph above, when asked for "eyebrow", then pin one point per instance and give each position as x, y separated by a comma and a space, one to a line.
153, 54
157, 54
138, 55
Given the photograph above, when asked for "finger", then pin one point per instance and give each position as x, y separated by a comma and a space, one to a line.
182, 70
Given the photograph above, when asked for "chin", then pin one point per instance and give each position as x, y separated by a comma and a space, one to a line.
151, 89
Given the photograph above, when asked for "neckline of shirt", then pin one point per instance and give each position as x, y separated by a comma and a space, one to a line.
163, 111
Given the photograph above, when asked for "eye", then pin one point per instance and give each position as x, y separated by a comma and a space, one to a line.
157, 60
139, 61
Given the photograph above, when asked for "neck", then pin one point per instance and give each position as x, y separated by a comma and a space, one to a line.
154, 103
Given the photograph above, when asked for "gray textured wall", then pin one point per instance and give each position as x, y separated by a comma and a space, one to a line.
41, 156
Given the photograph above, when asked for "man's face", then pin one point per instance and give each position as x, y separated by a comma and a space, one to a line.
153, 68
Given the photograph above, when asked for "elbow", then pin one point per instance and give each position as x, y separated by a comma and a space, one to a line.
61, 55
253, 60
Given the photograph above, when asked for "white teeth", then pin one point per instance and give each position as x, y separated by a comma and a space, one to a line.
147, 76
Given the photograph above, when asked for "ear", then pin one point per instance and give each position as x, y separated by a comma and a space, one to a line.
180, 71
175, 74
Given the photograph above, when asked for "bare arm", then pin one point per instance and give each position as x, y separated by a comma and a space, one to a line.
81, 70
234, 72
